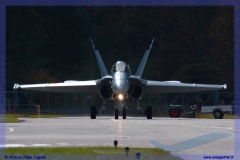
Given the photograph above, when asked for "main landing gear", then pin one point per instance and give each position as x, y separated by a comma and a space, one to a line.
148, 112
93, 113
124, 113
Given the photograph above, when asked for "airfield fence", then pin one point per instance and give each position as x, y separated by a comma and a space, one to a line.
72, 103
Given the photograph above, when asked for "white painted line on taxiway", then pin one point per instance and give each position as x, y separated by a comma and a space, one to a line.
24, 145
12, 145
193, 125
10, 130
40, 145
63, 144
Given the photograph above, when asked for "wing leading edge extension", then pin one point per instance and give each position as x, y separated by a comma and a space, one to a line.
177, 87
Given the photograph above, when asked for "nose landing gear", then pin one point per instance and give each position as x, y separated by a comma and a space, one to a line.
124, 113
116, 113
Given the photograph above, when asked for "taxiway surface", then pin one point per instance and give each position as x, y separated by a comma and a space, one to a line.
180, 135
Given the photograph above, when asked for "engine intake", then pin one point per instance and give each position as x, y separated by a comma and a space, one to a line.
105, 92
135, 91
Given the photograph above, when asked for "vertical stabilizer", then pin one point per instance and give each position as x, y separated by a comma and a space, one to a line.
144, 60
101, 65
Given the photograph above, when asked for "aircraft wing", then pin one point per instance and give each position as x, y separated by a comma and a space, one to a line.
177, 87
67, 86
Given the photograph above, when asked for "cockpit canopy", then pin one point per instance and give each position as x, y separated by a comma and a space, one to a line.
120, 67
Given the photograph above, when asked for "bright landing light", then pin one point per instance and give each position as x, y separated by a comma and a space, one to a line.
120, 97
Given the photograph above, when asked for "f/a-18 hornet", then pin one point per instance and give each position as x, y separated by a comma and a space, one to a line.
120, 86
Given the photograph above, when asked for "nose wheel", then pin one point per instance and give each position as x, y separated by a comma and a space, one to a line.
116, 113
124, 114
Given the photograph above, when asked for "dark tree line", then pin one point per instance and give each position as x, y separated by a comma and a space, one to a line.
51, 44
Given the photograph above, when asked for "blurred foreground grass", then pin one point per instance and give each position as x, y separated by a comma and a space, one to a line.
81, 150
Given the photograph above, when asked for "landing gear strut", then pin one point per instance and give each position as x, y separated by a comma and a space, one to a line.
139, 107
103, 107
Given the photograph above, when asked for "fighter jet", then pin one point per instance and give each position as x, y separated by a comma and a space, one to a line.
120, 86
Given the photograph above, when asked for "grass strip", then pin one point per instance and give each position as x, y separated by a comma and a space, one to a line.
82, 150
13, 118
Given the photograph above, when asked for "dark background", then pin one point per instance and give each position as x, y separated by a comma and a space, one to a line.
51, 44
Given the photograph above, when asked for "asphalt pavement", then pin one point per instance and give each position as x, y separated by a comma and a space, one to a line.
183, 137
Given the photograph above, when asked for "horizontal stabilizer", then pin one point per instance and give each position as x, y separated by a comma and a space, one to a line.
101, 65
144, 60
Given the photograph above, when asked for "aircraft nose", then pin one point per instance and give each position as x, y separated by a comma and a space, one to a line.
119, 87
